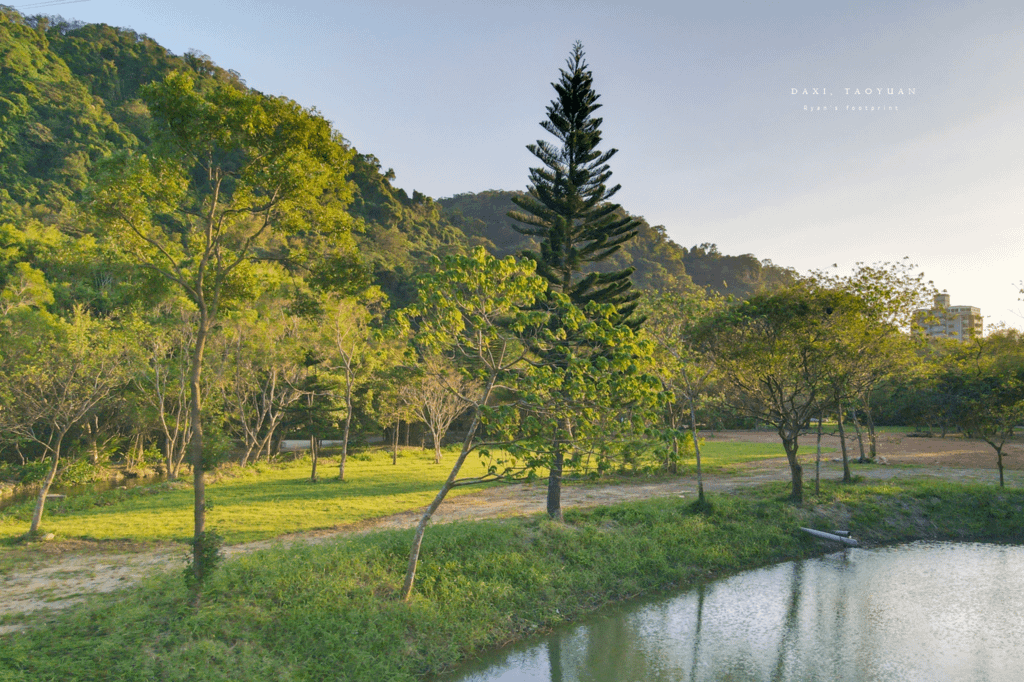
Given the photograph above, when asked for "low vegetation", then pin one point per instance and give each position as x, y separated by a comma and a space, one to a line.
331, 611
265, 501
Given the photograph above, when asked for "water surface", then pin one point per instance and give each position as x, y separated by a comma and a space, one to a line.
920, 612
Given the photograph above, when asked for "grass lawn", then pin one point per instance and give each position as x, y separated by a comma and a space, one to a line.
250, 504
262, 502
721, 457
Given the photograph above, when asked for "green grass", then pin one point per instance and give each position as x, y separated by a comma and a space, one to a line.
263, 502
250, 504
723, 456
330, 612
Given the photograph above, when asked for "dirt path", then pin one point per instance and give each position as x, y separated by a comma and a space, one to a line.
62, 574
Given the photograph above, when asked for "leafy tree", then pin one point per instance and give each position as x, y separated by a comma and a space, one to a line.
353, 349
684, 366
986, 376
162, 380
436, 398
233, 168
587, 403
476, 311
315, 410
54, 386
776, 352
877, 344
261, 370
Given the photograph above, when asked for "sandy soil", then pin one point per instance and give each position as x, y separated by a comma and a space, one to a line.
60, 574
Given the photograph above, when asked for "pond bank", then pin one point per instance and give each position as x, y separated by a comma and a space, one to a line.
330, 611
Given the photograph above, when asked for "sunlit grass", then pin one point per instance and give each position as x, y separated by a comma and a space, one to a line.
724, 456
251, 504
263, 502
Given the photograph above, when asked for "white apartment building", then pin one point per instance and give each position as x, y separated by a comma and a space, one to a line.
945, 321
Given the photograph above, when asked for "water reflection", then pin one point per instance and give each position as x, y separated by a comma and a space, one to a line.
82, 488
927, 611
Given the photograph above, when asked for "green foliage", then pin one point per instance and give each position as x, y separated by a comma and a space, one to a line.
738, 276
51, 132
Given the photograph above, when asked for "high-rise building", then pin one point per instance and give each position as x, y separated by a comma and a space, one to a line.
960, 322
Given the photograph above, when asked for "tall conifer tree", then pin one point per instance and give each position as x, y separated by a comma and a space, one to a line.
567, 207
566, 204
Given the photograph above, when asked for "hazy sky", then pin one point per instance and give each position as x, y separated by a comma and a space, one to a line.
698, 100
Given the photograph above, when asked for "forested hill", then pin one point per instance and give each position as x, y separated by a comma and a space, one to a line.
660, 263
70, 95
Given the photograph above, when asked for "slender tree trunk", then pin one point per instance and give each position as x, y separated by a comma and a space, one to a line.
314, 452
860, 436
92, 428
394, 443
195, 447
417, 542
999, 460
348, 426
672, 456
696, 449
872, 439
437, 446
817, 460
44, 490
408, 432
168, 460
847, 477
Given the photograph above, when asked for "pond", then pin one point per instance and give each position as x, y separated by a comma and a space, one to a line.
82, 488
919, 612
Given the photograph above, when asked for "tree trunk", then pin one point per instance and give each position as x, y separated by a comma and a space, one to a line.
860, 436
817, 461
555, 475
195, 447
673, 456
674, 464
417, 542
437, 446
92, 428
999, 460
394, 443
172, 474
872, 439
314, 452
696, 449
37, 515
348, 426
797, 494
847, 478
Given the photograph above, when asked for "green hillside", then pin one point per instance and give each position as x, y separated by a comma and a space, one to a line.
70, 96
660, 263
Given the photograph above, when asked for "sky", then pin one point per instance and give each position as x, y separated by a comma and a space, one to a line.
705, 102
